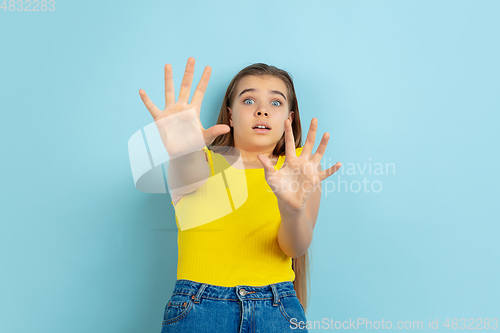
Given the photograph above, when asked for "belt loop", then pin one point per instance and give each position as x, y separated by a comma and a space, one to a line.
197, 298
276, 297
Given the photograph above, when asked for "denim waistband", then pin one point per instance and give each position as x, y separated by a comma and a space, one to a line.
241, 292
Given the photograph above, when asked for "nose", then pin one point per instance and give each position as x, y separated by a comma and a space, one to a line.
262, 112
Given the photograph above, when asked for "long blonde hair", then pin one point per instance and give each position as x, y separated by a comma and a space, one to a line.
300, 265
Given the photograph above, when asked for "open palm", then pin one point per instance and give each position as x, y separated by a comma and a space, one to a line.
295, 181
180, 137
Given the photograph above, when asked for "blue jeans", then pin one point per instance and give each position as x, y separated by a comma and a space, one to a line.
201, 307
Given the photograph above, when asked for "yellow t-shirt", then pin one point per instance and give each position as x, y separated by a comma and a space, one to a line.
228, 234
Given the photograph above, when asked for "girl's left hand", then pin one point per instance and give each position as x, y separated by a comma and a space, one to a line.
294, 183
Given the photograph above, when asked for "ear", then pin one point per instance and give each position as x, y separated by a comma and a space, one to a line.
292, 115
230, 120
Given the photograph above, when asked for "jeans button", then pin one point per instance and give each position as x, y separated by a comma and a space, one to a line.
243, 292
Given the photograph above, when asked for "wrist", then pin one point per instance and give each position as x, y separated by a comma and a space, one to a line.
289, 209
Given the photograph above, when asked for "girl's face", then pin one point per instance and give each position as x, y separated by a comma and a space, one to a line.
259, 98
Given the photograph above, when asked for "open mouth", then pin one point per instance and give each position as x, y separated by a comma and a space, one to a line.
261, 129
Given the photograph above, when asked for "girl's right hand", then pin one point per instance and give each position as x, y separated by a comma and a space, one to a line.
180, 132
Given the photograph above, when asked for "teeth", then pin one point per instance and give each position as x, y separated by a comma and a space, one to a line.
260, 126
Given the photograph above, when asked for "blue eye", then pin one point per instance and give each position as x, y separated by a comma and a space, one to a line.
249, 99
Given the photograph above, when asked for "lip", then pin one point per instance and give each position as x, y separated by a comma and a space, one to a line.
261, 130
262, 123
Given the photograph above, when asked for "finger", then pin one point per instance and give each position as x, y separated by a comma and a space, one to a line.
321, 148
186, 81
330, 171
169, 86
201, 87
289, 140
311, 137
155, 112
213, 132
266, 162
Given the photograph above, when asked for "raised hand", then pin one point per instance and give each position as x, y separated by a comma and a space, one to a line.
293, 184
180, 131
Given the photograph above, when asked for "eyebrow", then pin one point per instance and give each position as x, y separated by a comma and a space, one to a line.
270, 91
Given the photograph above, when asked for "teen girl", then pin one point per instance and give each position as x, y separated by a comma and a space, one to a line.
242, 254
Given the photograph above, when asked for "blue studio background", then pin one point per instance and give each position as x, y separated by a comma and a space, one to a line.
412, 85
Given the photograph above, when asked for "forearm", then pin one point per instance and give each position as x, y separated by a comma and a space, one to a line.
295, 232
187, 173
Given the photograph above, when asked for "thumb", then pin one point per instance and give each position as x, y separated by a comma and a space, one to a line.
266, 162
211, 133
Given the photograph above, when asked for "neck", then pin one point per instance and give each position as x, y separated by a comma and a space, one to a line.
251, 155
